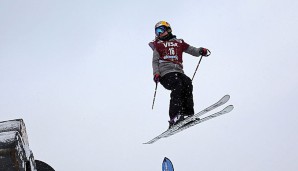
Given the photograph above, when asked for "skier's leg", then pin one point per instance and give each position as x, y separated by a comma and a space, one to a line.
171, 81
187, 96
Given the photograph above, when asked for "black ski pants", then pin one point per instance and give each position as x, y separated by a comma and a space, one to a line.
181, 93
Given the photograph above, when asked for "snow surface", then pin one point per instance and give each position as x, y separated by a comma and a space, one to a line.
8, 137
15, 125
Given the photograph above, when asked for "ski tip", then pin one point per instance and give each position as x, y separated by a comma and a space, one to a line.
167, 165
226, 97
148, 142
229, 108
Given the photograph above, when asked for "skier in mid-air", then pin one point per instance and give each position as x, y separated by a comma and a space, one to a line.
168, 70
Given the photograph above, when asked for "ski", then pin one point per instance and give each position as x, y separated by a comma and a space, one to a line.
171, 132
192, 123
222, 101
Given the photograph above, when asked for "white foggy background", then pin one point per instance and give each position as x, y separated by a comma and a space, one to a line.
79, 74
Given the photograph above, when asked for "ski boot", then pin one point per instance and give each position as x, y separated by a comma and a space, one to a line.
187, 113
175, 120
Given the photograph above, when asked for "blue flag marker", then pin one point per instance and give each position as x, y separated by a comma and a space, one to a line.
167, 165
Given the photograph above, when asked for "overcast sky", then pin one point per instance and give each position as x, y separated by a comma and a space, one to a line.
79, 73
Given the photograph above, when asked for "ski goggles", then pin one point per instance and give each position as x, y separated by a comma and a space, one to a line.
159, 30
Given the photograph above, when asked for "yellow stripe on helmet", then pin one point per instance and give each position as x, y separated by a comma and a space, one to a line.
162, 23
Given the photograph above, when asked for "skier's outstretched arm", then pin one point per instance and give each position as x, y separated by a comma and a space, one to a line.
196, 51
